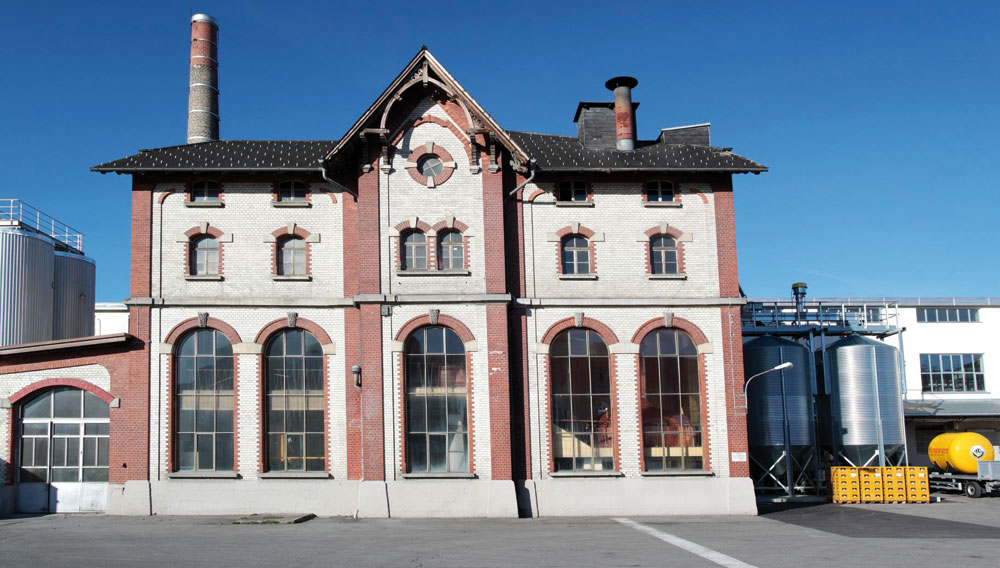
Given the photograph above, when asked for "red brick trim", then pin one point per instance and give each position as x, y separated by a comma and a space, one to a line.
197, 232
188, 188
264, 335
424, 320
672, 232
732, 368
442, 227
142, 233
436, 150
280, 236
725, 236
673, 183
422, 226
604, 331
698, 337
192, 323
61, 382
408, 125
612, 368
583, 232
680, 323
400, 360
535, 194
163, 196
333, 195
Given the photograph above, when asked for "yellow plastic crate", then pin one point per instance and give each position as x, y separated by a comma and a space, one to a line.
893, 476
918, 497
894, 495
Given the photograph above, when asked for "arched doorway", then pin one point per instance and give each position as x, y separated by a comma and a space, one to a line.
63, 446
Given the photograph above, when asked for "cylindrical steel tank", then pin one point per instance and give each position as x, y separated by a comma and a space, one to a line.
866, 409
26, 276
73, 296
770, 398
960, 451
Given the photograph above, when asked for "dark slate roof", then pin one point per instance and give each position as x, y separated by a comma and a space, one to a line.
226, 155
566, 153
553, 153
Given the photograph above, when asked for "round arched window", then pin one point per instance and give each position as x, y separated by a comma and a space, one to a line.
294, 402
671, 402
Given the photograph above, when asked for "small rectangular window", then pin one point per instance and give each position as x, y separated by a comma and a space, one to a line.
571, 190
937, 315
205, 191
291, 191
952, 372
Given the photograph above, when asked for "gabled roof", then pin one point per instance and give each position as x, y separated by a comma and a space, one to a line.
225, 155
424, 68
566, 153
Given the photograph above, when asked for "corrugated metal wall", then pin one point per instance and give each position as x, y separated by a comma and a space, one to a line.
27, 266
73, 296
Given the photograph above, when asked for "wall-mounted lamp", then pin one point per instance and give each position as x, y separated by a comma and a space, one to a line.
356, 371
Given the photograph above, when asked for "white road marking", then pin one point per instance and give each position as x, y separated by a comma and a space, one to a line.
696, 549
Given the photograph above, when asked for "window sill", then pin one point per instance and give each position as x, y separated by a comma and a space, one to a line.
574, 203
578, 277
294, 475
595, 473
204, 204
199, 277
666, 276
979, 393
439, 476
679, 473
405, 273
291, 204
203, 475
674, 204
291, 278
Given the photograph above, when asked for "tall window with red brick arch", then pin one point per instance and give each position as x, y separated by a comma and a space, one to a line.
203, 396
671, 402
583, 431
294, 402
437, 422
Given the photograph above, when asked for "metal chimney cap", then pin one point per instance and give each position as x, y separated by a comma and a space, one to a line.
799, 285
623, 81
204, 18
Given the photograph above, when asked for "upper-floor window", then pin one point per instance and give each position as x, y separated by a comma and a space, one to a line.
204, 256
450, 250
292, 257
932, 315
662, 255
205, 191
291, 191
571, 190
659, 191
414, 251
575, 255
952, 372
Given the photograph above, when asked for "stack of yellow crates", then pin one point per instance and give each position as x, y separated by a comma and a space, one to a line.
894, 485
871, 484
917, 488
845, 485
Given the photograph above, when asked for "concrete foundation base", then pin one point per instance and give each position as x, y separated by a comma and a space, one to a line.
8, 496
132, 498
648, 496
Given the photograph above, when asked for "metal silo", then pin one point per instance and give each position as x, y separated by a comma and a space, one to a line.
866, 410
26, 275
780, 422
73, 296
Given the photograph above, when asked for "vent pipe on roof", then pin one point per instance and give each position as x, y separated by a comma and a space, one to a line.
799, 292
624, 117
203, 89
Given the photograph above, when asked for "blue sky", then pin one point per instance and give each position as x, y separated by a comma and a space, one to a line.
876, 118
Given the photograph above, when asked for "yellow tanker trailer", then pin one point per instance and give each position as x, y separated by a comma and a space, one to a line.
965, 462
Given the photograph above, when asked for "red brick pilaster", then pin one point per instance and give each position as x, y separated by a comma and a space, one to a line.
369, 340
732, 342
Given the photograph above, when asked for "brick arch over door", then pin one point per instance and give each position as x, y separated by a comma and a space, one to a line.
300, 323
192, 323
420, 321
604, 331
61, 382
699, 339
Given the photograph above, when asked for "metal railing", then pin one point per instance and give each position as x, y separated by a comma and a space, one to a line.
15, 212
860, 315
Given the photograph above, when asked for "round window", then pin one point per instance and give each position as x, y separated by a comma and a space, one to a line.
430, 166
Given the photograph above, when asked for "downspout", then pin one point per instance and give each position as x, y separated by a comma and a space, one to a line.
531, 176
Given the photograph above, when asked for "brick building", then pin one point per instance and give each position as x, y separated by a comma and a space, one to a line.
432, 316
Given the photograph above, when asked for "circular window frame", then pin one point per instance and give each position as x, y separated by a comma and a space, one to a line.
430, 150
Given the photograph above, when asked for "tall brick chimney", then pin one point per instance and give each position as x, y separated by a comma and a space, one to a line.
203, 88
624, 116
